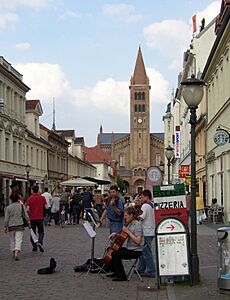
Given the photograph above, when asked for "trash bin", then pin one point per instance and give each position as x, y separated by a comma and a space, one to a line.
223, 235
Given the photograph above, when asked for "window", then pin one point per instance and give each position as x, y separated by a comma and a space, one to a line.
136, 108
7, 149
158, 159
143, 108
31, 156
19, 152
139, 95
122, 160
139, 107
139, 135
135, 96
143, 96
27, 154
15, 151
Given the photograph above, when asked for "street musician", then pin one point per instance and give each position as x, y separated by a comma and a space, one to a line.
135, 242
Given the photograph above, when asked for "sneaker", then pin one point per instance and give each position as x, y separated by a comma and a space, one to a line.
35, 249
40, 248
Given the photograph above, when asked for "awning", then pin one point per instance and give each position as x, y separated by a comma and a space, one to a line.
78, 182
98, 180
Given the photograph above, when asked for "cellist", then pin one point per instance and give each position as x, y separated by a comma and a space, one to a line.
133, 249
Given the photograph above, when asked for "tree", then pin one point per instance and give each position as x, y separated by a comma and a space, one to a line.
120, 183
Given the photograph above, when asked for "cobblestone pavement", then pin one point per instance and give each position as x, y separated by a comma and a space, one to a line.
69, 246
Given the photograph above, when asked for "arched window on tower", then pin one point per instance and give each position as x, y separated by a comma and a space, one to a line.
136, 108
136, 96
139, 107
143, 96
143, 108
139, 95
122, 160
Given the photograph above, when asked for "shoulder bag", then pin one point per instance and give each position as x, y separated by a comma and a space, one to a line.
25, 222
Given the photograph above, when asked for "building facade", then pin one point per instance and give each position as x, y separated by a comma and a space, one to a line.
217, 76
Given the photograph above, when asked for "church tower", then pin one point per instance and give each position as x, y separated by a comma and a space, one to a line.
139, 118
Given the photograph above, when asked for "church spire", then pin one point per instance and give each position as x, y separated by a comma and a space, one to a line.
139, 75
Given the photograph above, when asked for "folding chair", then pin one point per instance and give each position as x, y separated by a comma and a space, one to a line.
133, 269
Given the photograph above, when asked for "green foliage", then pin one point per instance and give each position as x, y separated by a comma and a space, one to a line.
120, 183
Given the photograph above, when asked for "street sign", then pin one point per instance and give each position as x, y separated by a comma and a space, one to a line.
172, 248
170, 225
179, 213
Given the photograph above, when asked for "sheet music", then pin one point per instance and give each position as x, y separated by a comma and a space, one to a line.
89, 229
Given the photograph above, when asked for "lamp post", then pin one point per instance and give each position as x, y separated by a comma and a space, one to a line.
169, 153
28, 169
192, 93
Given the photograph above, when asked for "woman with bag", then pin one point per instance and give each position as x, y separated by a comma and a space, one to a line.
15, 218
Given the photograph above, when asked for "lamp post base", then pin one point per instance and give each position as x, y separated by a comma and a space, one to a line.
195, 276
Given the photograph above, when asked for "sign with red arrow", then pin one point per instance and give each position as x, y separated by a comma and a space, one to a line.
170, 225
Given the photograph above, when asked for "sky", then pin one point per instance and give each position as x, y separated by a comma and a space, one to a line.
82, 53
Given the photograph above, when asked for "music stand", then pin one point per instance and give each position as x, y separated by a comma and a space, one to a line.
91, 215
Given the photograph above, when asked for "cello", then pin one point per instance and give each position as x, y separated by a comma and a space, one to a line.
119, 241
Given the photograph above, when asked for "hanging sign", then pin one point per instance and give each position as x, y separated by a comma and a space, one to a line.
221, 137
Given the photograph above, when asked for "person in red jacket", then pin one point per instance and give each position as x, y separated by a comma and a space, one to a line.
36, 205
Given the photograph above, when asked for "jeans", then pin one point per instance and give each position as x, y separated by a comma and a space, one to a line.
76, 213
146, 261
115, 226
37, 224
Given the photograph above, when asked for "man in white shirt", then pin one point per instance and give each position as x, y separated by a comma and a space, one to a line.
146, 262
48, 198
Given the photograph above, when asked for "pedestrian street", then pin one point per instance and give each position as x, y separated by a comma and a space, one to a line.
70, 246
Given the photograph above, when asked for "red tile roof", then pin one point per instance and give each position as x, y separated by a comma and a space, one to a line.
95, 154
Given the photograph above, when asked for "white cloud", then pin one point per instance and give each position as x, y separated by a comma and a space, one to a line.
122, 11
45, 80
134, 18
23, 46
48, 80
170, 37
6, 18
12, 4
209, 13
69, 14
118, 9
159, 87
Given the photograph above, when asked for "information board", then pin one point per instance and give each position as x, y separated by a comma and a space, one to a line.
172, 254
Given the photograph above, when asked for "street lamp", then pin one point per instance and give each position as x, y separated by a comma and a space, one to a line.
169, 153
28, 169
193, 93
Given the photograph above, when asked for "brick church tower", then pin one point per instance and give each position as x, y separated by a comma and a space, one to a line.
139, 116
137, 150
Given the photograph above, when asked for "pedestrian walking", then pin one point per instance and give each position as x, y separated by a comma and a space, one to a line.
48, 198
36, 205
98, 201
55, 208
76, 204
146, 262
14, 224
